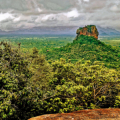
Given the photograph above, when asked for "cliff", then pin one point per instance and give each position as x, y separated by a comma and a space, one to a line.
89, 30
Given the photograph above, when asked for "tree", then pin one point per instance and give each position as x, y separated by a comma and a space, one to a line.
13, 78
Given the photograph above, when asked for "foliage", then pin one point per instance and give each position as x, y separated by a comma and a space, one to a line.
77, 86
13, 78
31, 86
89, 27
42, 43
88, 48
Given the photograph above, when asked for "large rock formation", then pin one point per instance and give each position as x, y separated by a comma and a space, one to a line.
89, 30
90, 114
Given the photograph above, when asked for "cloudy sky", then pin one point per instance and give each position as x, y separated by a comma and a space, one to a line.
18, 14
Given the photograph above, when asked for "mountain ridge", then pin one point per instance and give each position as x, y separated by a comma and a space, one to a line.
58, 30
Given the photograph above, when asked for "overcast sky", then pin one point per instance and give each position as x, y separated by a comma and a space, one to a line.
15, 14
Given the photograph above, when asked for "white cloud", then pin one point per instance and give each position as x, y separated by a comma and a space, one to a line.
79, 1
17, 19
114, 8
39, 10
86, 0
46, 17
23, 13
5, 16
73, 13
59, 16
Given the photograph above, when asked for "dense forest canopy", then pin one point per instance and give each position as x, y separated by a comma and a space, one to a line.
89, 48
30, 82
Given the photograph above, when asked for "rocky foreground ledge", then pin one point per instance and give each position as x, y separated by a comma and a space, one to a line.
89, 114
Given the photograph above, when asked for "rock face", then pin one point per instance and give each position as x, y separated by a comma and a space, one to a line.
90, 114
89, 30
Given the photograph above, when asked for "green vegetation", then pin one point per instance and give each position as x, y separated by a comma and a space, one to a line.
14, 75
113, 42
41, 43
31, 81
80, 28
88, 48
88, 27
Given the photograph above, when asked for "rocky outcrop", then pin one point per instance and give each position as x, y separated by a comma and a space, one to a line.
90, 114
89, 30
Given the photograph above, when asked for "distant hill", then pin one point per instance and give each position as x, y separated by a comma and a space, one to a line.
107, 31
57, 30
89, 48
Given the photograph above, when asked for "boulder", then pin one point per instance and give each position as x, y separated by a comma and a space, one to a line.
89, 30
89, 114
